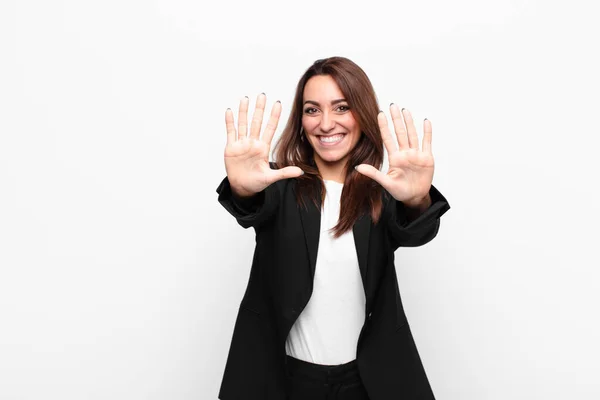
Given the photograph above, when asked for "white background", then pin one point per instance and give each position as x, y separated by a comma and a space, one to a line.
120, 274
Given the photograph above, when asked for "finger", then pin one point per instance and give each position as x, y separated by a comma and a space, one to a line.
399, 127
257, 117
243, 118
386, 136
427, 130
413, 138
373, 173
284, 173
272, 123
230, 126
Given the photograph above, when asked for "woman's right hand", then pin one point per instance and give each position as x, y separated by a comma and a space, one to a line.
247, 156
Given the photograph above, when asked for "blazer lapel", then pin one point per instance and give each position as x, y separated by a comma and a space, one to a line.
361, 231
311, 224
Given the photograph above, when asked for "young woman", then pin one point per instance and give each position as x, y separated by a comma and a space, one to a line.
322, 317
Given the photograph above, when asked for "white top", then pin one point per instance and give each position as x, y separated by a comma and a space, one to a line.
327, 330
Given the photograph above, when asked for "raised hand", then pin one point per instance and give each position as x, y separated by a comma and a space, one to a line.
410, 172
247, 156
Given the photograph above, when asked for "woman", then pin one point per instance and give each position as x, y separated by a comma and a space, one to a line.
322, 316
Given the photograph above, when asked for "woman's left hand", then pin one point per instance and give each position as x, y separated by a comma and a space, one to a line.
410, 173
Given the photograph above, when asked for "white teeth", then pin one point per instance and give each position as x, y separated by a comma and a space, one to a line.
331, 139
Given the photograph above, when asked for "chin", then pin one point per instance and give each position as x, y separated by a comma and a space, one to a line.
332, 158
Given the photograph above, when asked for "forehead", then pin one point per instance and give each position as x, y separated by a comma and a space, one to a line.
322, 87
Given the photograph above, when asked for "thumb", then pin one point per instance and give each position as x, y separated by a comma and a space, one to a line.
372, 172
285, 173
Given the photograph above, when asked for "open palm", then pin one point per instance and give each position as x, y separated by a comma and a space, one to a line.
410, 171
247, 156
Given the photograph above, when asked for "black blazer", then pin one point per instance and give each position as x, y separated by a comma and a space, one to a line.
281, 283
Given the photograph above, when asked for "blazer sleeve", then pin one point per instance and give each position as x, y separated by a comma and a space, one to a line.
421, 230
251, 212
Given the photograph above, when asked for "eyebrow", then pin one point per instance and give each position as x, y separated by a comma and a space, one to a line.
334, 102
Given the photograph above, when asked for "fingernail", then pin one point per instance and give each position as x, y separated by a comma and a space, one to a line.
356, 167
380, 111
302, 173
228, 109
425, 119
263, 93
391, 104
247, 97
277, 101
403, 109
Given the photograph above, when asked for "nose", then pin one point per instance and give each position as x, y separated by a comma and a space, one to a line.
327, 122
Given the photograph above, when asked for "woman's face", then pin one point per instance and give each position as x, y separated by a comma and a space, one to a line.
328, 123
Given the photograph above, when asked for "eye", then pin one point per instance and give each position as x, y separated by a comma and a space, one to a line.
346, 108
309, 109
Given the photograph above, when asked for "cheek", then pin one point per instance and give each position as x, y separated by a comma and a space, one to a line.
352, 125
355, 138
308, 124
354, 128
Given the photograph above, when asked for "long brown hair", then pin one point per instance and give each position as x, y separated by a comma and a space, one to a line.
360, 194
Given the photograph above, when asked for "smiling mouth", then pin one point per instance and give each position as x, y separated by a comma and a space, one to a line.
331, 139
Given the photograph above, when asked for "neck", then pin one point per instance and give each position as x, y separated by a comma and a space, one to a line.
335, 171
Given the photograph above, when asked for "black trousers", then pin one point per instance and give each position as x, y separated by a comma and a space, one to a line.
308, 381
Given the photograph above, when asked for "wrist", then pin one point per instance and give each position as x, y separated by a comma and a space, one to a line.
238, 192
242, 195
419, 203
